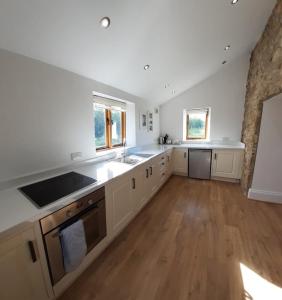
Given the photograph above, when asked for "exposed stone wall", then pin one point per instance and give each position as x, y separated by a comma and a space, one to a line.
264, 81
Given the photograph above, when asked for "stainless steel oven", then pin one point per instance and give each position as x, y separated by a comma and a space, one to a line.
91, 210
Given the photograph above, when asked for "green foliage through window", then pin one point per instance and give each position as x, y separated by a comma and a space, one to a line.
100, 127
196, 125
109, 127
116, 127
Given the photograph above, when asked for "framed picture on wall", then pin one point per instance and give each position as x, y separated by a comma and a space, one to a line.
150, 121
143, 121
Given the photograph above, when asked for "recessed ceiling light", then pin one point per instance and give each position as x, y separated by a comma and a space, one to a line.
146, 67
173, 92
105, 22
234, 2
227, 47
166, 85
224, 62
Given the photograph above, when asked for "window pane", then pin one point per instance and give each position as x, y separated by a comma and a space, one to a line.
116, 127
196, 128
100, 127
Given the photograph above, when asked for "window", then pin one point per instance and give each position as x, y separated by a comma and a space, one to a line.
197, 124
109, 122
100, 127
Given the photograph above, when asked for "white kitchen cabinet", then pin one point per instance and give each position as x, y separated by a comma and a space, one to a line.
128, 193
165, 166
139, 193
227, 163
20, 270
120, 202
154, 176
150, 180
169, 163
180, 161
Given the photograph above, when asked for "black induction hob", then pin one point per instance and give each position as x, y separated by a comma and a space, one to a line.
47, 191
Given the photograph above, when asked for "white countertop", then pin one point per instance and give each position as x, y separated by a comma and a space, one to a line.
239, 146
15, 208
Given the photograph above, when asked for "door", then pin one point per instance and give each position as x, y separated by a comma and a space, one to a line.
169, 162
95, 225
180, 161
139, 195
20, 269
146, 183
227, 163
154, 176
121, 201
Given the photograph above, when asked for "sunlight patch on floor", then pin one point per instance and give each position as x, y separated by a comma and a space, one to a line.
257, 288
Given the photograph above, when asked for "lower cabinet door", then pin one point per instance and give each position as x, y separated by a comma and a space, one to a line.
122, 203
154, 177
20, 269
227, 163
169, 163
139, 194
180, 161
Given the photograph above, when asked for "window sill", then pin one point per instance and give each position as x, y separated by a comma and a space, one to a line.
104, 152
195, 141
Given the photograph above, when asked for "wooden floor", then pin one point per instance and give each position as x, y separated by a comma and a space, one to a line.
188, 243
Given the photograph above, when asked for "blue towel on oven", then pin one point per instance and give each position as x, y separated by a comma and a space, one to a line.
73, 245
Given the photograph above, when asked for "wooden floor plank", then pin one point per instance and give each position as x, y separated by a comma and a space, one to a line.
187, 244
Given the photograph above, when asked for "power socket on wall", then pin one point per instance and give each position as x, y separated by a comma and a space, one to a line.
76, 155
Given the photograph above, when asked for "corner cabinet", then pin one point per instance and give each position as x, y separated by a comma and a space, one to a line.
227, 163
20, 268
180, 161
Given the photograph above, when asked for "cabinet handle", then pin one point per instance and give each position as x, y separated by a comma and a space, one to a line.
32, 251
151, 171
185, 154
133, 183
147, 173
215, 156
168, 158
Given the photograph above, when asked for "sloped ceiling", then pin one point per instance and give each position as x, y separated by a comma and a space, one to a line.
182, 40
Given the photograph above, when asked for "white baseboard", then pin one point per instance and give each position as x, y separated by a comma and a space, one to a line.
267, 196
232, 180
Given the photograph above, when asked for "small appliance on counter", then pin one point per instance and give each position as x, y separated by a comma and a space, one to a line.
165, 138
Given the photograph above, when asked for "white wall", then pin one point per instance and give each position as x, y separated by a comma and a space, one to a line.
267, 179
46, 113
224, 92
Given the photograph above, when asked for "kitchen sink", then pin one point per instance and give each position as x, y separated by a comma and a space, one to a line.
144, 155
128, 160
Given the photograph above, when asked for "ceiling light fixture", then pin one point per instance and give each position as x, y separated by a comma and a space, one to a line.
166, 85
173, 92
227, 47
105, 22
146, 67
224, 62
233, 2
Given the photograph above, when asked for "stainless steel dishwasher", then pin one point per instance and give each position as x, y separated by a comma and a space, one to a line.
199, 163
